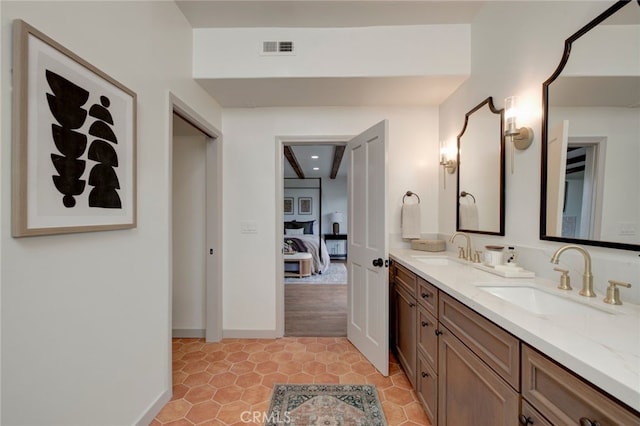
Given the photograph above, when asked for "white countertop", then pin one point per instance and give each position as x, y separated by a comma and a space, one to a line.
603, 348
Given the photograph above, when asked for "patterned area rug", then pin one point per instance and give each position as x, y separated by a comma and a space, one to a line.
336, 273
325, 405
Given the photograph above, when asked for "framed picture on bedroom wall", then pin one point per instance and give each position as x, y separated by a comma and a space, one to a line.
305, 205
288, 205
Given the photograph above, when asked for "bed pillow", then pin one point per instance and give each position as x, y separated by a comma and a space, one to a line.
306, 225
294, 231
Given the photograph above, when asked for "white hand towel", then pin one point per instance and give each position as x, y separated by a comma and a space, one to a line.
410, 218
468, 215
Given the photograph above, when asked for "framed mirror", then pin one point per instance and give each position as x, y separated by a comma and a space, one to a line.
591, 135
480, 207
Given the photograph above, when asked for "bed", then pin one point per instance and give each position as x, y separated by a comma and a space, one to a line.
299, 237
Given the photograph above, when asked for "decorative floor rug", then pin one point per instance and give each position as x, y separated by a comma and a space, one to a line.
336, 273
325, 405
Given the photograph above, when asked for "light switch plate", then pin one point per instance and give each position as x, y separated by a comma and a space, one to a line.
248, 227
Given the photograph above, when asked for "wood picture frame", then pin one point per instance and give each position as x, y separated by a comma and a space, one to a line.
74, 142
305, 205
288, 205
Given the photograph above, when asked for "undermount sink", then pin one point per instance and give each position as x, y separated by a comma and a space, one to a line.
541, 302
434, 260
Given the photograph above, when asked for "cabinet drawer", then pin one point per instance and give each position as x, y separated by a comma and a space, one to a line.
529, 416
427, 389
427, 295
499, 349
406, 279
563, 398
427, 338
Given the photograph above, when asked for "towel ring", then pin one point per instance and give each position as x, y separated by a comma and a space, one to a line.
465, 193
409, 194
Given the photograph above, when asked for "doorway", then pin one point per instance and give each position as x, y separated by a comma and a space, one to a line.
196, 227
367, 242
315, 195
584, 181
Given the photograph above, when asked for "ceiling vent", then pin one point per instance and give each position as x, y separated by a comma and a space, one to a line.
277, 47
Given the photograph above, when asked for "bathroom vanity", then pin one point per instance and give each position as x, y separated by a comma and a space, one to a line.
479, 350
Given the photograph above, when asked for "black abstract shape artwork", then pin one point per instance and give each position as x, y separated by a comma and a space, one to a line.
66, 105
103, 176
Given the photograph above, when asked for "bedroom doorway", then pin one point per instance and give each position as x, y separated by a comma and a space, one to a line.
314, 198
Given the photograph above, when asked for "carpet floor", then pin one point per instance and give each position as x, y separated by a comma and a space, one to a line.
336, 273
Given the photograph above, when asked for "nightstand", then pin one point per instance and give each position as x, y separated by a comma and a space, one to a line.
336, 245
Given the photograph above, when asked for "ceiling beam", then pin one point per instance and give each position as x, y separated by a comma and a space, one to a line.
338, 152
291, 157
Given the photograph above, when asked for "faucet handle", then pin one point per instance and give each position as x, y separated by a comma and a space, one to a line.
476, 256
461, 253
613, 294
565, 279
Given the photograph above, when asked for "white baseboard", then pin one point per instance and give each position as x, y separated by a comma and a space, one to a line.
188, 333
154, 409
250, 334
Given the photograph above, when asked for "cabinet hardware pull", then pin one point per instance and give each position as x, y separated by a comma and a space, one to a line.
525, 420
425, 295
425, 374
424, 323
438, 332
588, 422
412, 305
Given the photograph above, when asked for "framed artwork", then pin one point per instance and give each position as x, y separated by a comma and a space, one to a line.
304, 205
288, 205
74, 142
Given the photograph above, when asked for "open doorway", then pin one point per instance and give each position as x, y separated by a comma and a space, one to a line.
584, 181
314, 189
196, 225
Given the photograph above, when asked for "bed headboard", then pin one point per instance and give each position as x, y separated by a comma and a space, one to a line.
303, 205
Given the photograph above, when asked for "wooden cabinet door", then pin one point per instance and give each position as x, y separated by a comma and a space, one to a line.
405, 332
469, 392
427, 389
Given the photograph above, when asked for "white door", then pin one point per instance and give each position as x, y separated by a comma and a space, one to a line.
368, 294
558, 141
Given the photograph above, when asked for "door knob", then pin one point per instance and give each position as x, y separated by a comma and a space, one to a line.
378, 262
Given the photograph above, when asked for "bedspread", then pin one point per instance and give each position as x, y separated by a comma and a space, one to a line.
314, 245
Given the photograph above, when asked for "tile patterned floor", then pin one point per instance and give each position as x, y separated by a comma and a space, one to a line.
225, 383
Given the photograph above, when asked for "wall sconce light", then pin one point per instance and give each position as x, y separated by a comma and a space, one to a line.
448, 160
448, 157
520, 137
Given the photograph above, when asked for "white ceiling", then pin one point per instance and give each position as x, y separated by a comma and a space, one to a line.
324, 163
300, 92
325, 13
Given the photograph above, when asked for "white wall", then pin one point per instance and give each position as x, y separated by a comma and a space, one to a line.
306, 188
250, 145
85, 317
511, 56
367, 51
189, 221
334, 199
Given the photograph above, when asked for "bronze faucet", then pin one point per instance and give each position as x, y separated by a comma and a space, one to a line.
587, 277
467, 251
